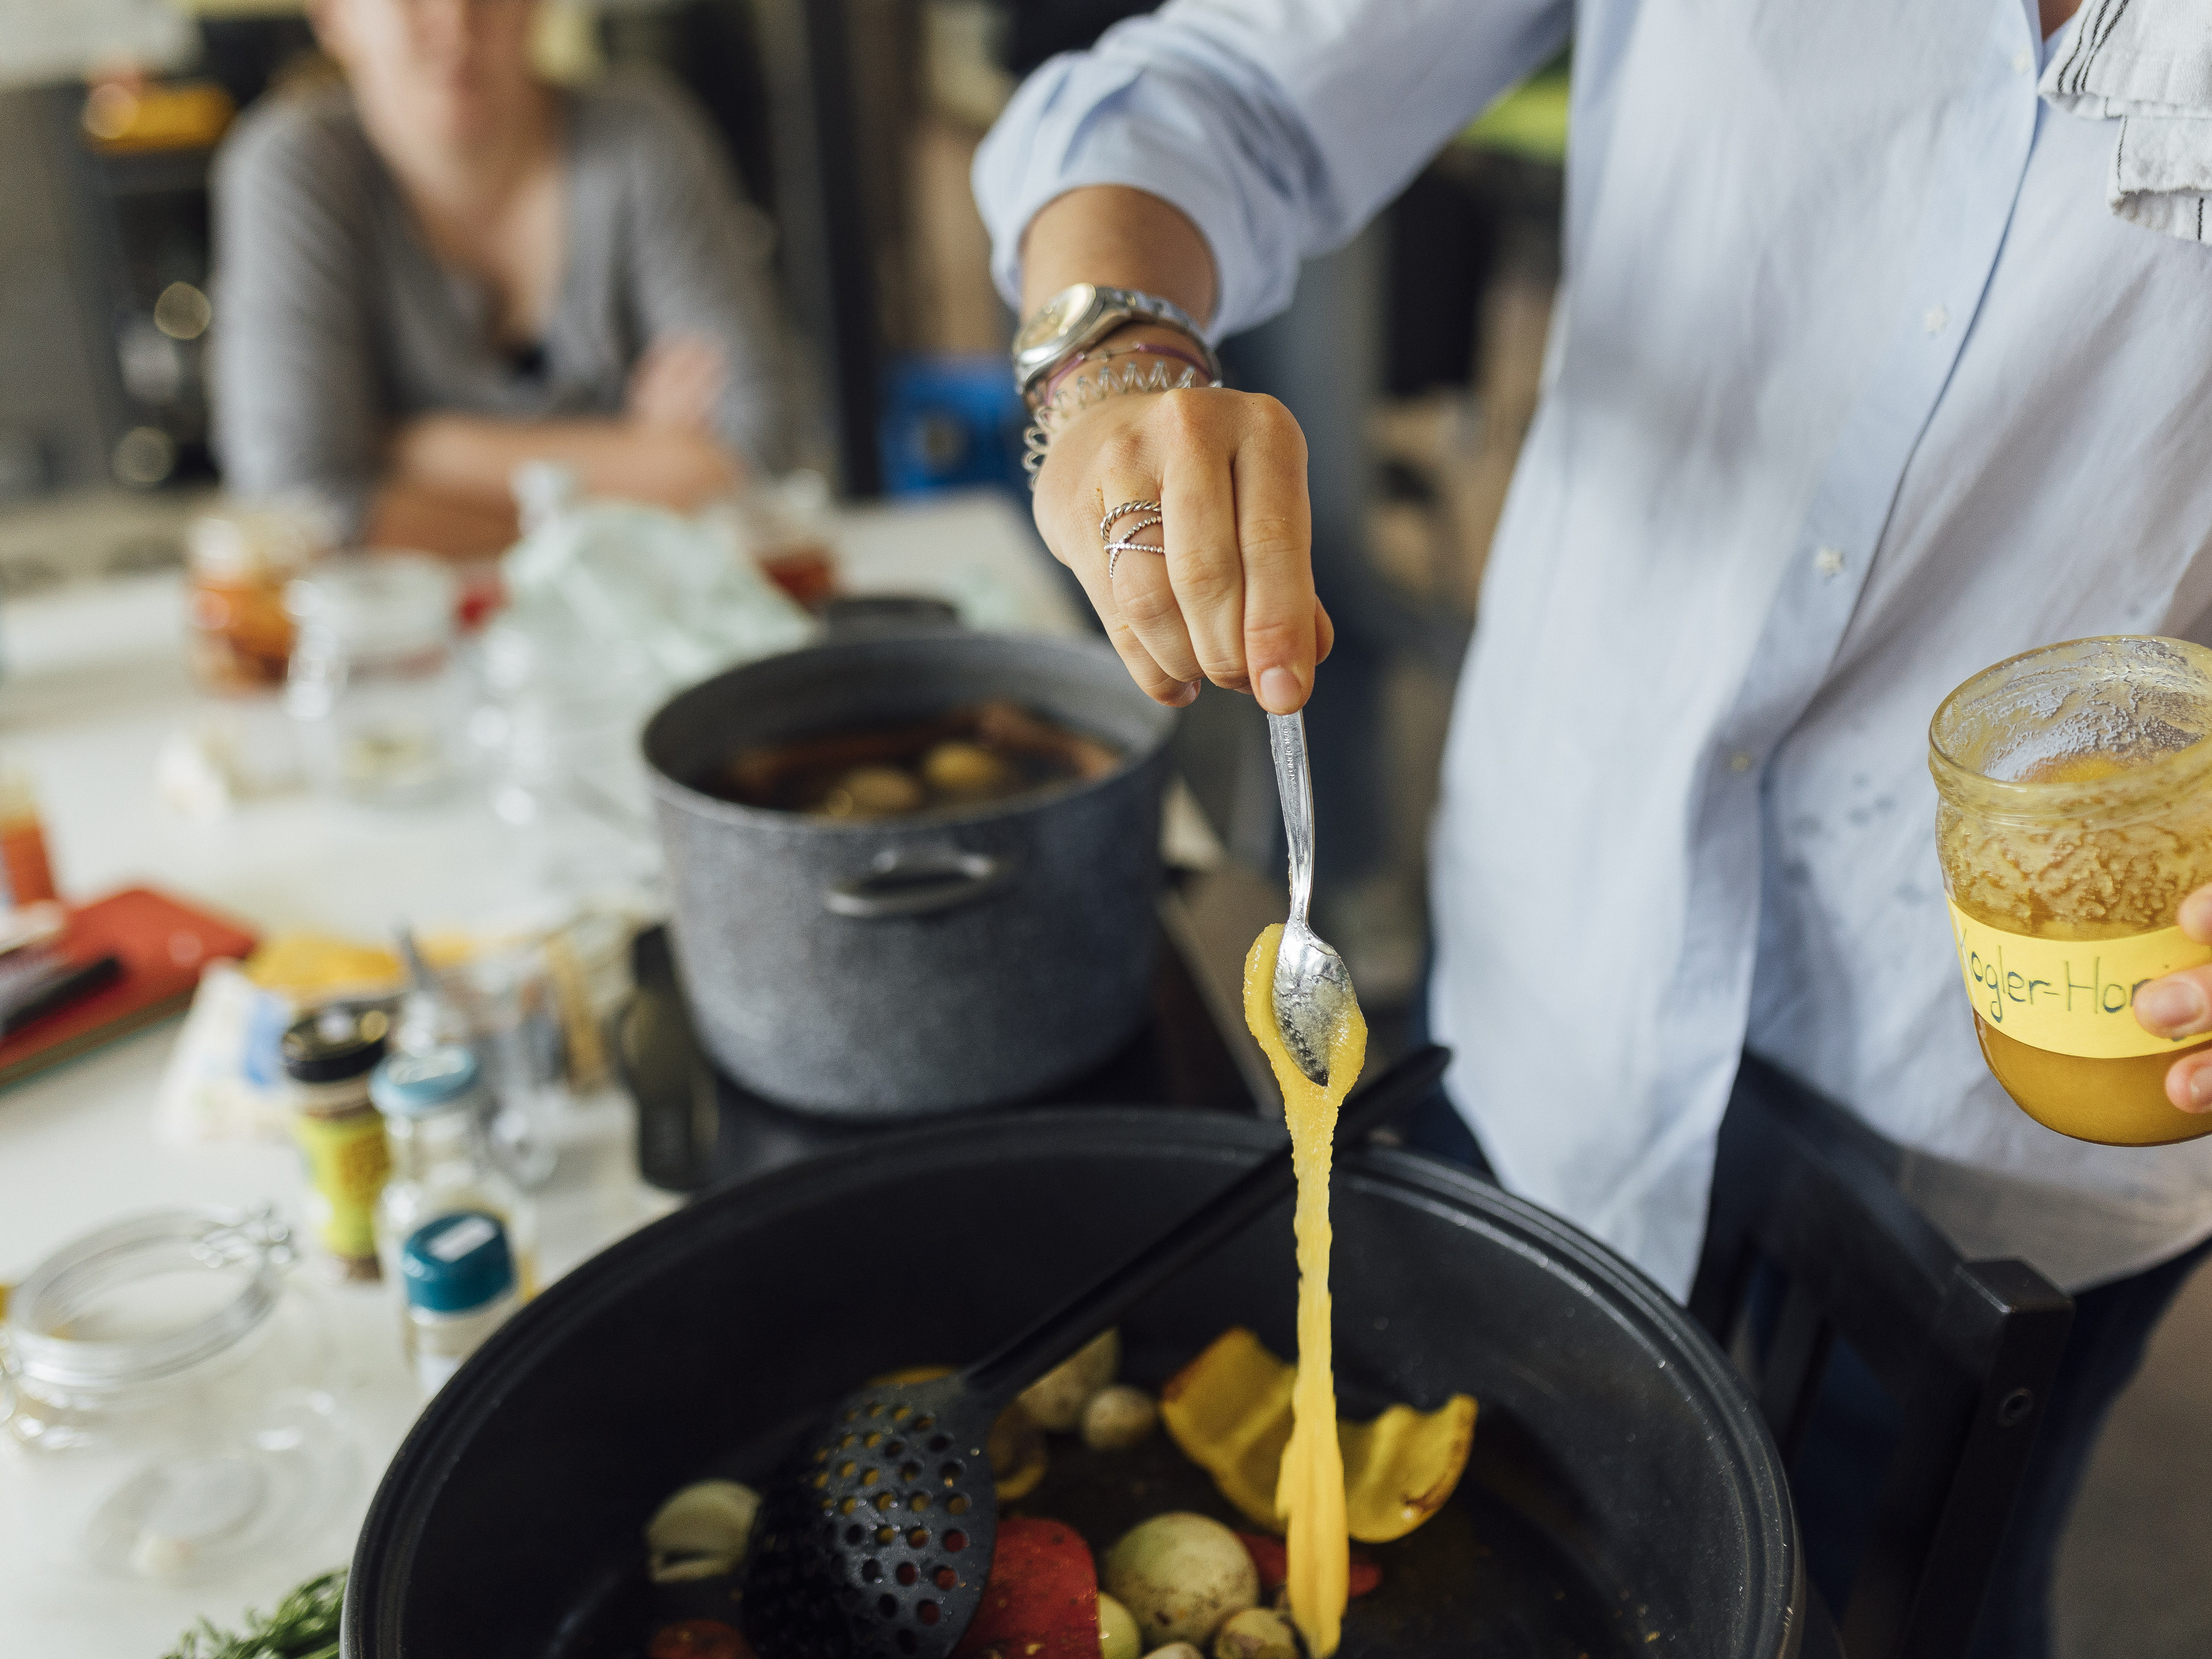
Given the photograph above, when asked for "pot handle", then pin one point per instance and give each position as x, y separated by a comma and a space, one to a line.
920, 886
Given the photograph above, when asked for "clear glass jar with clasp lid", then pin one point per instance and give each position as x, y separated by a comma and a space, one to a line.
2075, 815
163, 1379
375, 685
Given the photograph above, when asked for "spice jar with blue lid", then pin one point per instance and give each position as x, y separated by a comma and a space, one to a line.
460, 1279
436, 1110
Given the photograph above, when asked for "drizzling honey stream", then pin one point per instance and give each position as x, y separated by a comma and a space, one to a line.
1309, 1495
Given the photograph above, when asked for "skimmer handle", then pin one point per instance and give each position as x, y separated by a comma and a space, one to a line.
1004, 1373
1286, 737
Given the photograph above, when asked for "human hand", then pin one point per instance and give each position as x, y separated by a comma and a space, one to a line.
1232, 601
2180, 1004
676, 383
473, 458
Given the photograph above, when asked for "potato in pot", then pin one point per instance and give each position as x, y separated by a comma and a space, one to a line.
1181, 1575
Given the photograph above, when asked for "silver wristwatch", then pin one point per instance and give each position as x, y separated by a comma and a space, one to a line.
1079, 317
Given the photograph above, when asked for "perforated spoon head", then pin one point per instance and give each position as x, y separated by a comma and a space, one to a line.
876, 1537
1311, 994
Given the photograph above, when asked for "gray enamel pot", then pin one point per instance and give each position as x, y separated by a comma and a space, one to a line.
895, 967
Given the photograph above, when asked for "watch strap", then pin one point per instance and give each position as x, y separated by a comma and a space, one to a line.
1113, 309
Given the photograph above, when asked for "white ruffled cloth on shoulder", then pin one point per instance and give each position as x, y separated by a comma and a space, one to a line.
2147, 64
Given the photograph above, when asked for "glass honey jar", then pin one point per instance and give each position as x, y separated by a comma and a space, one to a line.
240, 560
2075, 815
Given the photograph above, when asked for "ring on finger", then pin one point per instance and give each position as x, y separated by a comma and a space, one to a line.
1129, 543
1116, 549
1106, 525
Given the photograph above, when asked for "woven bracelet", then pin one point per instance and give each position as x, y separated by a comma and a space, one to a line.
1145, 349
1110, 382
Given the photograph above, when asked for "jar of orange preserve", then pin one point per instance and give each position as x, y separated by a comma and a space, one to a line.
241, 560
2076, 815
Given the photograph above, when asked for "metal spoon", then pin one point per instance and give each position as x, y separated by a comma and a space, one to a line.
1312, 987
875, 1540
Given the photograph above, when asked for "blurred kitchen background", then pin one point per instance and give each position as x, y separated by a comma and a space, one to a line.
1412, 356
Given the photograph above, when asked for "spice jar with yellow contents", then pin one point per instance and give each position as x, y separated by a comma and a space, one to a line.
2075, 814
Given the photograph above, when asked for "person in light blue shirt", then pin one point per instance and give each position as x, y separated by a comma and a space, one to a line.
1856, 386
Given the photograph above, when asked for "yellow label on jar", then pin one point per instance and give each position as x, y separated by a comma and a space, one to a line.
2070, 996
348, 1160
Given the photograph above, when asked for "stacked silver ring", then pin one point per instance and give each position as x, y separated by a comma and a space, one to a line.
1127, 543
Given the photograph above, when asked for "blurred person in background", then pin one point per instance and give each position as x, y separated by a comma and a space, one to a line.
446, 266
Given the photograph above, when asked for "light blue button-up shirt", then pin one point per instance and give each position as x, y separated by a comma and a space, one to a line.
1857, 387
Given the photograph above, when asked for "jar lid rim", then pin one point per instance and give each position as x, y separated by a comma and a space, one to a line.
334, 1043
419, 1083
211, 1238
2038, 798
397, 601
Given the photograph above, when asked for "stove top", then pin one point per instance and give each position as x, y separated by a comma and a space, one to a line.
697, 1128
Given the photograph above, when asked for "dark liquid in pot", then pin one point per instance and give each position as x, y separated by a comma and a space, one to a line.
980, 754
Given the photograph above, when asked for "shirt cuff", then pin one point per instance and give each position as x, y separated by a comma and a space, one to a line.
1087, 120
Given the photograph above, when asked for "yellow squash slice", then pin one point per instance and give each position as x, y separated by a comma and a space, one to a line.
1229, 1411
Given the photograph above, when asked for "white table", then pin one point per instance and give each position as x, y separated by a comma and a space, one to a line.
95, 680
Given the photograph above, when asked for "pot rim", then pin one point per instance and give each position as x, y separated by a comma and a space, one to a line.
390, 1532
676, 792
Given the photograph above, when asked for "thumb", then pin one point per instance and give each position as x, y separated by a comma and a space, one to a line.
2179, 1005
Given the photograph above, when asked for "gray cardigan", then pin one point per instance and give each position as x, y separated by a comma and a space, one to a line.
334, 322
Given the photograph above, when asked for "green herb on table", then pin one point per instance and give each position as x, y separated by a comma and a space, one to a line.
305, 1625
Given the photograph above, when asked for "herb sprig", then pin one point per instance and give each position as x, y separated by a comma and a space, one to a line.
304, 1625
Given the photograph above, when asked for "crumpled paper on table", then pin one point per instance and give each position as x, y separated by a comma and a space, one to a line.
681, 592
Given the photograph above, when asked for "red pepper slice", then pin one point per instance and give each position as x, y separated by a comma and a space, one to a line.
698, 1638
1274, 1564
1042, 1601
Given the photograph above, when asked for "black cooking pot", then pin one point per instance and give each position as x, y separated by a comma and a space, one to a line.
1622, 1499
893, 966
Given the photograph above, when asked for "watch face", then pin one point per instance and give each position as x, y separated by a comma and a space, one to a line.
1056, 317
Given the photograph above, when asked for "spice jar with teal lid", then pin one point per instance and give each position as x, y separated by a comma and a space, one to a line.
458, 1276
436, 1110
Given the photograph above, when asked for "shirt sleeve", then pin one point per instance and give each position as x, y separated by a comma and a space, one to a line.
699, 266
1279, 126
298, 405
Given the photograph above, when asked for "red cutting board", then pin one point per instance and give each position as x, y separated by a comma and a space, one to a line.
163, 946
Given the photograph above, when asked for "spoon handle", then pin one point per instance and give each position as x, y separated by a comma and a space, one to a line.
1019, 1362
1286, 736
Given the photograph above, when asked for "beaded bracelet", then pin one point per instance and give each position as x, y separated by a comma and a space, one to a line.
1109, 381
1142, 349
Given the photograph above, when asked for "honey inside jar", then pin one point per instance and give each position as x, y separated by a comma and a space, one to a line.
2075, 814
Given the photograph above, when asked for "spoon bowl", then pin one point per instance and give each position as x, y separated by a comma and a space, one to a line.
1312, 987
